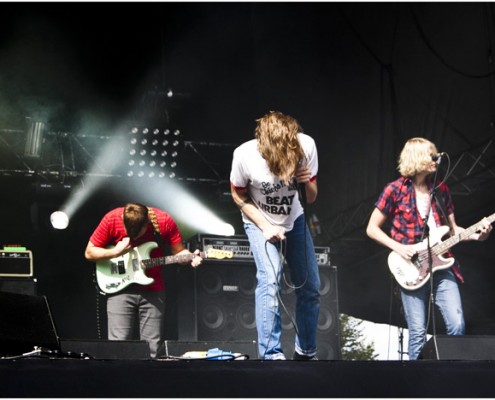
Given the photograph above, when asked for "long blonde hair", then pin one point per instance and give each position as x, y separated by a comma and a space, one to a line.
415, 157
278, 143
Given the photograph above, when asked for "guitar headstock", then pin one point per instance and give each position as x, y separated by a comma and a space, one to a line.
219, 254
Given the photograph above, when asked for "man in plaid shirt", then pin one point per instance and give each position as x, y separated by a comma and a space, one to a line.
409, 204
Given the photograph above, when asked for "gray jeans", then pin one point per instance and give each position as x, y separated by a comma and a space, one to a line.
145, 307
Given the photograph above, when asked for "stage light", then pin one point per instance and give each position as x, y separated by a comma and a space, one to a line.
149, 154
59, 220
108, 161
34, 140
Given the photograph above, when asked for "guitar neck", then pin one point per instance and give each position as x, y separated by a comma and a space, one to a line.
158, 261
442, 247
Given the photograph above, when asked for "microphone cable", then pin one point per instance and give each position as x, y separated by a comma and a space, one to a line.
278, 275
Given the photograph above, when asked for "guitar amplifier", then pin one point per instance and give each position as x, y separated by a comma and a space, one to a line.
323, 255
14, 263
239, 246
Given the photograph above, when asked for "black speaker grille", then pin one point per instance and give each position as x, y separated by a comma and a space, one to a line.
225, 302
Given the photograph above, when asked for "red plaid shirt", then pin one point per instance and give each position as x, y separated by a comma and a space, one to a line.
398, 201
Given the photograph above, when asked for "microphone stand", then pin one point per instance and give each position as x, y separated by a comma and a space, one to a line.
426, 233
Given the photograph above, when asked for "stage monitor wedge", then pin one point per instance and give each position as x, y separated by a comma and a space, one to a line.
467, 347
26, 322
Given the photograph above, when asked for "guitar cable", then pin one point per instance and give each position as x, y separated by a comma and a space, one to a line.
97, 306
278, 288
393, 293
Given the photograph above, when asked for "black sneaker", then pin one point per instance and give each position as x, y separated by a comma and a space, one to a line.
301, 357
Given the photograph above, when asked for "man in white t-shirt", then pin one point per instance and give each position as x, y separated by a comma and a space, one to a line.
273, 177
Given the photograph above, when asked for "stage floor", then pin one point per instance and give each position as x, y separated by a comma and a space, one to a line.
43, 377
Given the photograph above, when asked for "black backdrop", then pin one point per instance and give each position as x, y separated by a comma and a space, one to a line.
360, 77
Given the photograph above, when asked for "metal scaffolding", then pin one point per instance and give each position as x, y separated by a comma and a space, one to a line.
472, 170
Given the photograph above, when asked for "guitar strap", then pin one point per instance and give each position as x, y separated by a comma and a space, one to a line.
156, 228
441, 204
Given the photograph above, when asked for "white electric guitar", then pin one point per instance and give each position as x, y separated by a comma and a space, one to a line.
414, 273
117, 273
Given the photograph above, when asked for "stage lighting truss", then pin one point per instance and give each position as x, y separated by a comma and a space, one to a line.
153, 153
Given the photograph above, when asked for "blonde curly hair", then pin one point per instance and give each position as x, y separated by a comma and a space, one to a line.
416, 156
278, 143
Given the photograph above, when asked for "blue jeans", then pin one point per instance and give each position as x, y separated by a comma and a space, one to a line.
448, 301
301, 259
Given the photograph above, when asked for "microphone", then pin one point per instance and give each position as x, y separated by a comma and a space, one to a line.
302, 193
438, 157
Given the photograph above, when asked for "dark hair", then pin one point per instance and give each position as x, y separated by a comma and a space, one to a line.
135, 218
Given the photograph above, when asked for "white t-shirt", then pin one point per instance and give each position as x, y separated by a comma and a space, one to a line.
278, 202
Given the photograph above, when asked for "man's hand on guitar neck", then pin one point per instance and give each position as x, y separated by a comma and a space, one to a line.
480, 234
484, 232
197, 259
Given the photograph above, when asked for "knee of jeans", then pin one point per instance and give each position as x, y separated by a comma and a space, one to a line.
416, 329
267, 290
456, 328
309, 292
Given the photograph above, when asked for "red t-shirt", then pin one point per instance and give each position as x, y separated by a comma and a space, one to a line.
111, 230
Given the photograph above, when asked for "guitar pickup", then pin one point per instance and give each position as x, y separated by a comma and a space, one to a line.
121, 267
113, 268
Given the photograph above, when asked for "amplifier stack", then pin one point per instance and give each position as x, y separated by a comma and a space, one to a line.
217, 300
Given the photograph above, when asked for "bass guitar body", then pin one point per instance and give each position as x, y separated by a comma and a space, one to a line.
414, 273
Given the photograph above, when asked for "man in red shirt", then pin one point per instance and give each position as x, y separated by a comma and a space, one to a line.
121, 230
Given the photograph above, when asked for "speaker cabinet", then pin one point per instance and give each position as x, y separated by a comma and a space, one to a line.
18, 285
327, 335
469, 347
224, 307
26, 322
225, 302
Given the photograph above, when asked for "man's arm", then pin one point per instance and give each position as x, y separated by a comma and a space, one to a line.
178, 249
95, 253
303, 175
272, 233
374, 231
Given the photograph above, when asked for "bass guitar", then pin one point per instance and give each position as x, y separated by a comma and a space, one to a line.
414, 273
117, 273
